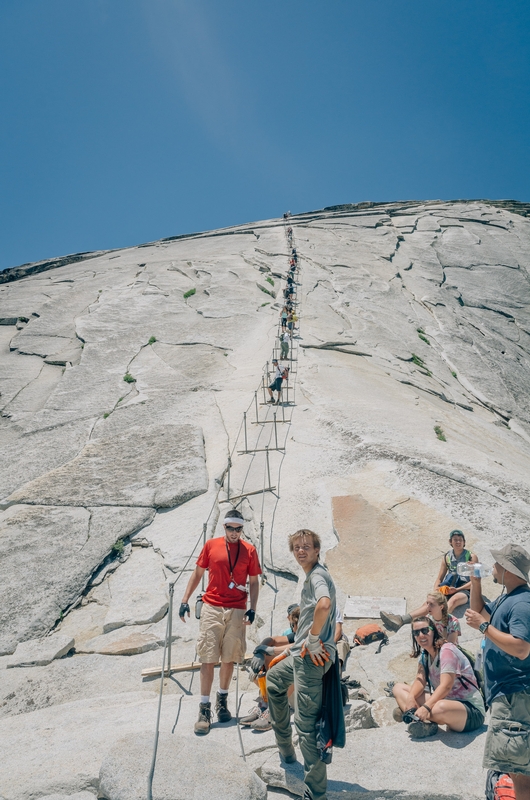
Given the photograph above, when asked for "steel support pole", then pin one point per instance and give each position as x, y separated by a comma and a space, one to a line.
204, 526
262, 544
228, 489
256, 404
170, 625
268, 464
275, 434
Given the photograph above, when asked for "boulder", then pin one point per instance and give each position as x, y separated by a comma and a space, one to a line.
381, 712
357, 715
160, 466
180, 772
39, 652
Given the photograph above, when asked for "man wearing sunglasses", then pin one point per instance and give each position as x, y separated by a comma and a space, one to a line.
230, 562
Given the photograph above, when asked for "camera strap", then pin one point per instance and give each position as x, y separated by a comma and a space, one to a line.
232, 568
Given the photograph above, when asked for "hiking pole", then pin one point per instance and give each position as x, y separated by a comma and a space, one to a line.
245, 424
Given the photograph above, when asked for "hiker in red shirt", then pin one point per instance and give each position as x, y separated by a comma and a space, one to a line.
230, 561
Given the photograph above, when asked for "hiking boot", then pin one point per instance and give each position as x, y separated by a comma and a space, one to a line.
421, 730
252, 716
263, 723
223, 714
202, 726
289, 755
393, 622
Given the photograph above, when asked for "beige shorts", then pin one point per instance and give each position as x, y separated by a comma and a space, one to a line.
221, 635
507, 746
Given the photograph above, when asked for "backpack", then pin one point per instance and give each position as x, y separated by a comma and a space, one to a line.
479, 678
367, 634
499, 786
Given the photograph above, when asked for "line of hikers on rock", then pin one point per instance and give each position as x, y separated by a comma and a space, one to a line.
288, 320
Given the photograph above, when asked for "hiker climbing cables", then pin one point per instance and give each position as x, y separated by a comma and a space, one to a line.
455, 698
505, 626
311, 656
230, 561
448, 582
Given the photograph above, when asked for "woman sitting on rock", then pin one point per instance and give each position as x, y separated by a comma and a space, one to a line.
436, 608
455, 699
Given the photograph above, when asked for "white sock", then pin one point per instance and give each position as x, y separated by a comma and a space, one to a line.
205, 698
223, 691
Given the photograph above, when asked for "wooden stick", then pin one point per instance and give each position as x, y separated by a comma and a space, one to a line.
153, 671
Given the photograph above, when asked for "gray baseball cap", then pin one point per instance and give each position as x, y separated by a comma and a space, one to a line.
513, 558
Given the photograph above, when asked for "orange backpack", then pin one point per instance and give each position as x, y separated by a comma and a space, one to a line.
367, 634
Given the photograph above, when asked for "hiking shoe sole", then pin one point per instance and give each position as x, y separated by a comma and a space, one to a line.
391, 621
421, 730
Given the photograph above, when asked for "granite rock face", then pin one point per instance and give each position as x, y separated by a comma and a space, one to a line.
180, 771
122, 397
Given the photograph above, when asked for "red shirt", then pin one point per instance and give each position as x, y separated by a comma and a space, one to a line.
214, 558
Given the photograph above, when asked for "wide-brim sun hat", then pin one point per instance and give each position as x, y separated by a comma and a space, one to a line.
513, 558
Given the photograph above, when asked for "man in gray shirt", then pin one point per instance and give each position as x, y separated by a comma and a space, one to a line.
310, 657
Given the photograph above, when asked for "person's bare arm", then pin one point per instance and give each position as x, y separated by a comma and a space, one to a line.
417, 688
504, 641
476, 601
447, 680
441, 574
453, 637
320, 616
338, 631
254, 593
195, 579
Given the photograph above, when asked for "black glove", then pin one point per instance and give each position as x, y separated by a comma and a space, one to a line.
184, 609
250, 615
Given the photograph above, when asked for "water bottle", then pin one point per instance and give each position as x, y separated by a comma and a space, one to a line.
198, 606
468, 570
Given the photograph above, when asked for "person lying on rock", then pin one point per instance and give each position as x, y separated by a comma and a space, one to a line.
310, 657
448, 582
436, 608
230, 562
265, 654
454, 700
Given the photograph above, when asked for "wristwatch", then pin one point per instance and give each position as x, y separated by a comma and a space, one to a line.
483, 627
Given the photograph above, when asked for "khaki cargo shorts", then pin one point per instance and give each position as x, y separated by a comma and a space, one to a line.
508, 740
221, 635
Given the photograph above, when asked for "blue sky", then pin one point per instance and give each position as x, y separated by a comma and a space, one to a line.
123, 121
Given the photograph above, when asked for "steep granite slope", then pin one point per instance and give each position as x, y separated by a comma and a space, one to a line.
122, 400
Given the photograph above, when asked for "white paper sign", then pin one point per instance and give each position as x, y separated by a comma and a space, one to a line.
368, 607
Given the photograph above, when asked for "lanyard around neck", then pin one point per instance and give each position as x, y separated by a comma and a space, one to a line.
232, 568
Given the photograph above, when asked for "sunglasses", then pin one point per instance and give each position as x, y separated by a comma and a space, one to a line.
423, 631
234, 530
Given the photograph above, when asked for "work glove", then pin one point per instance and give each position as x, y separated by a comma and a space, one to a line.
250, 615
184, 609
258, 660
316, 651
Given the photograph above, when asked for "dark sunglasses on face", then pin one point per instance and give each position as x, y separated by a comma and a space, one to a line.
234, 530
423, 631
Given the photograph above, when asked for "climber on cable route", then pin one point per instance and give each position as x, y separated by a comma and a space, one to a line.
230, 562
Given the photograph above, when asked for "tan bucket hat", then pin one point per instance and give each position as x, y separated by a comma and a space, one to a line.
514, 559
